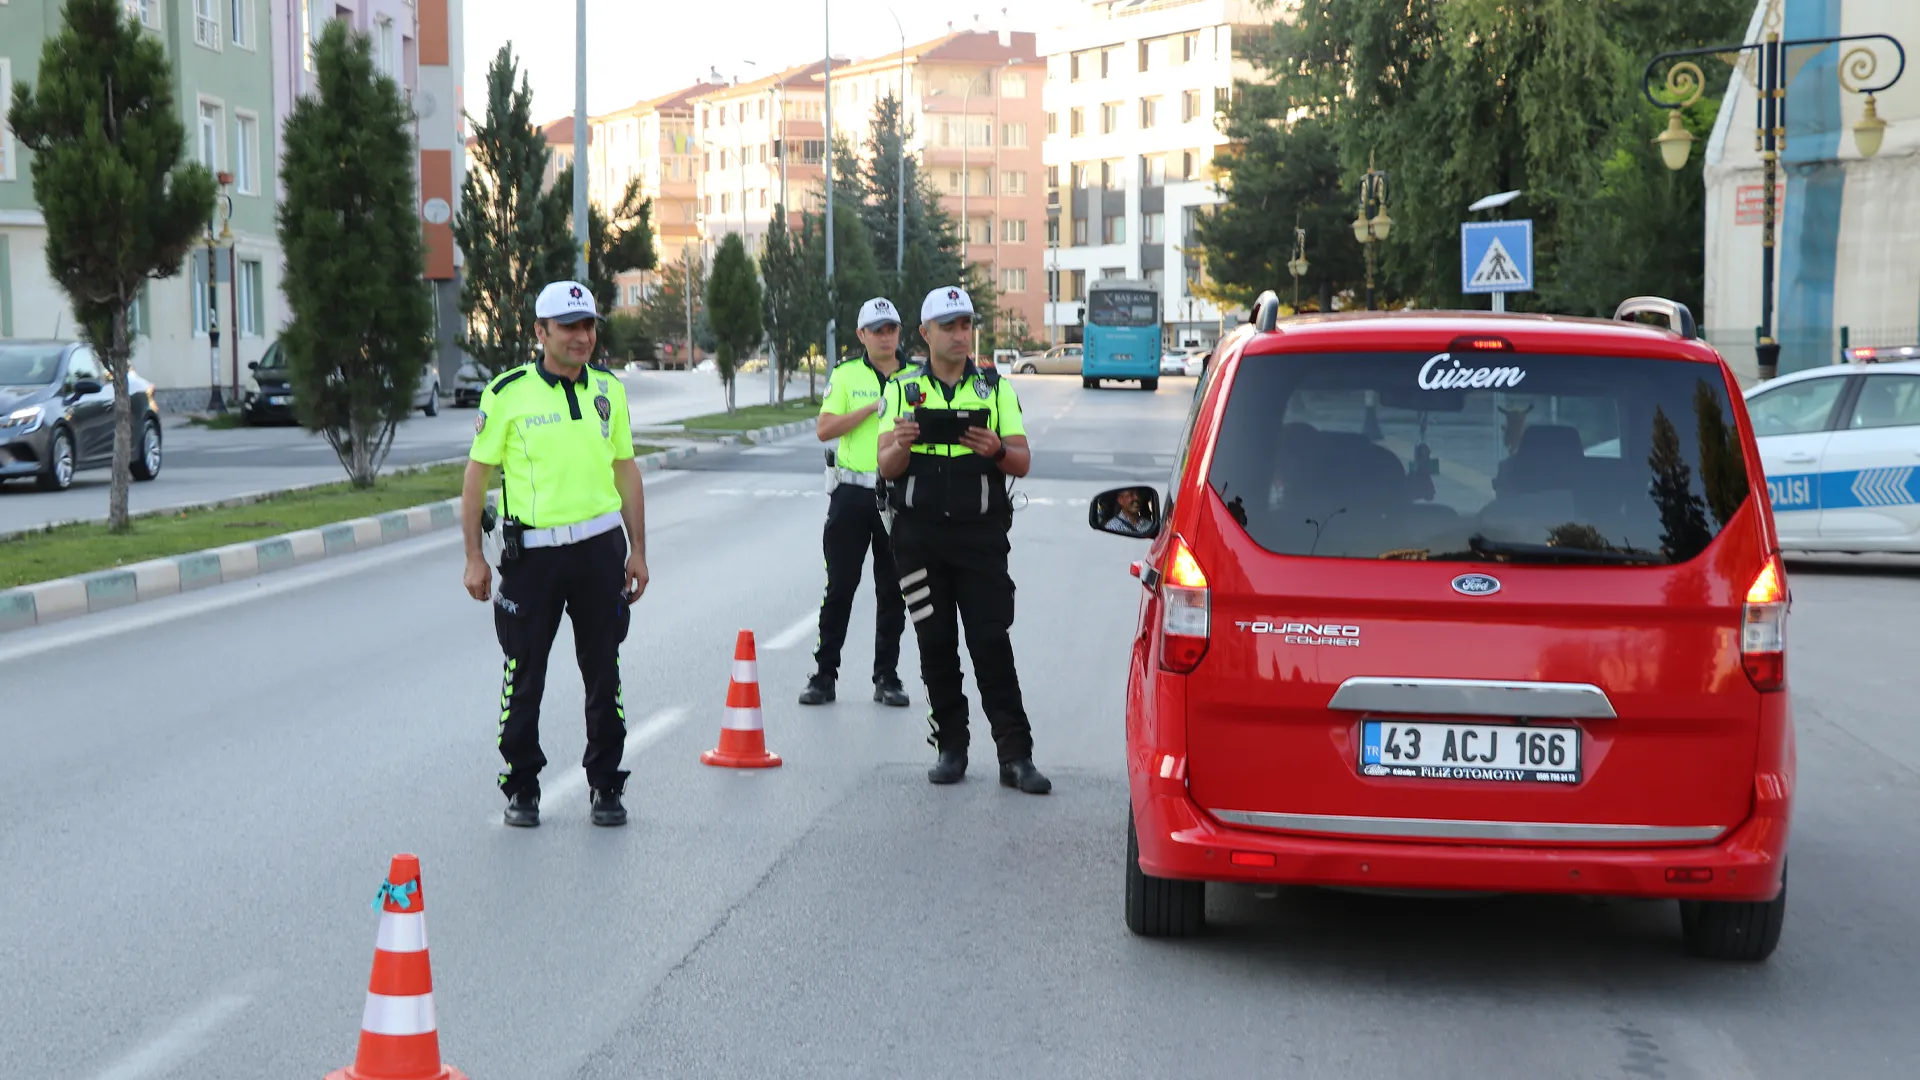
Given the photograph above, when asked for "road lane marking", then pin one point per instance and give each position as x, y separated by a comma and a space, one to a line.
179, 1042
571, 782
795, 634
1093, 459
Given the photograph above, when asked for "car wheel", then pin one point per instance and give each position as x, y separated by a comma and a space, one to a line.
1719, 930
1026, 369
1159, 907
432, 407
146, 463
1150, 385
57, 475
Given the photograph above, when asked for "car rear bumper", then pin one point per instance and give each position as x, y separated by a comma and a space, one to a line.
1179, 840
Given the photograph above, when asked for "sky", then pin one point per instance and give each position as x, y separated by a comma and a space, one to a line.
637, 49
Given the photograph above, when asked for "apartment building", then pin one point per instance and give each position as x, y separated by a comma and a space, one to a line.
651, 141
974, 102
221, 56
760, 144
1133, 91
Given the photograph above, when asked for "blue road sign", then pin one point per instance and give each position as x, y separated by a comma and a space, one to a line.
1496, 256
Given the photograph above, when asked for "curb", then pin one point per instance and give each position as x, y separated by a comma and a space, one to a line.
45, 602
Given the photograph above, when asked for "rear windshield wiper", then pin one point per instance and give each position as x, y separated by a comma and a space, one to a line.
1517, 552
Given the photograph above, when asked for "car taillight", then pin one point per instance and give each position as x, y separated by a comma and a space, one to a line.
1185, 611
1763, 629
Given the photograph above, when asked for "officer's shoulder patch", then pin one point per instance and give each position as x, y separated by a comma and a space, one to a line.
504, 381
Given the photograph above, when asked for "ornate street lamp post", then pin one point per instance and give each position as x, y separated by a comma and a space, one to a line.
1297, 266
1369, 230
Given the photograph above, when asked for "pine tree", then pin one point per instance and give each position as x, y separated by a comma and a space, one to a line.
513, 238
668, 307
109, 173
362, 328
795, 308
733, 302
614, 245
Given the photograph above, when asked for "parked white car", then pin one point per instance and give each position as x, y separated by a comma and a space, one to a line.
1841, 450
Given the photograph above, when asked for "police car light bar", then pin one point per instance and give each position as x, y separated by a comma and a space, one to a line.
1869, 354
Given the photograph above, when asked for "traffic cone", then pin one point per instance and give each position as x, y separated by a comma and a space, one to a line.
398, 1040
743, 738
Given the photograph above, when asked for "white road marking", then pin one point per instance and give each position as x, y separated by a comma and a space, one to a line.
767, 451
571, 782
179, 1042
1093, 459
795, 634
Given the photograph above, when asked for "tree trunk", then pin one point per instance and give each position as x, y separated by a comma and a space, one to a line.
360, 461
117, 520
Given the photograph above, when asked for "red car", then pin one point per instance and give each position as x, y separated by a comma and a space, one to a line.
1463, 602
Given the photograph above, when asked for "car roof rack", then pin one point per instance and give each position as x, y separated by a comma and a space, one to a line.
1679, 319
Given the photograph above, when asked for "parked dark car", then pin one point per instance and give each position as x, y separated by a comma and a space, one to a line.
268, 398
56, 414
468, 384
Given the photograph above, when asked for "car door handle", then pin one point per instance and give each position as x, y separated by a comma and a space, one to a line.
1799, 459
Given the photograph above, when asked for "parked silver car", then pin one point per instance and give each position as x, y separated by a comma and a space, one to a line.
56, 414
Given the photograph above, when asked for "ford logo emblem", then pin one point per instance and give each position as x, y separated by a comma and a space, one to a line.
1476, 585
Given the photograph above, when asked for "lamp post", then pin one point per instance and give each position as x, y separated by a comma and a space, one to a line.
214, 243
900, 222
1685, 81
1369, 230
1297, 266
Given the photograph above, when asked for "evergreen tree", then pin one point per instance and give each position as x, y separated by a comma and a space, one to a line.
362, 328
855, 278
515, 239
733, 299
614, 246
932, 257
795, 308
664, 314
121, 203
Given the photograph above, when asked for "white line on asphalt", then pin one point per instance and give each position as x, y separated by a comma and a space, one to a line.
569, 783
1093, 459
793, 635
178, 1042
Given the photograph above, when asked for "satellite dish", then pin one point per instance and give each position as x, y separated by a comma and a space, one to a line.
1494, 202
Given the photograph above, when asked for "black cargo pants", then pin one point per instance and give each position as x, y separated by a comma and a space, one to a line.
586, 580
954, 574
853, 528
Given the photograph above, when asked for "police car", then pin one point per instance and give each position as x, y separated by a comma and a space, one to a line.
1841, 449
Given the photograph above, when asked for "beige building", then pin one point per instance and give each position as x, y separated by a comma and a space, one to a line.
761, 144
651, 141
975, 106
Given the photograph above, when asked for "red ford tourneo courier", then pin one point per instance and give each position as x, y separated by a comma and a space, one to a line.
1456, 601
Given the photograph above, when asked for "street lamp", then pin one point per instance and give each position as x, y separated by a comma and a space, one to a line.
1297, 266
1685, 81
224, 239
1371, 229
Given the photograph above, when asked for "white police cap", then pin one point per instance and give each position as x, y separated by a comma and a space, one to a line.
565, 302
877, 312
944, 303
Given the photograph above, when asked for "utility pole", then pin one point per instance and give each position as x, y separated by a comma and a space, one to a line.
832, 354
580, 155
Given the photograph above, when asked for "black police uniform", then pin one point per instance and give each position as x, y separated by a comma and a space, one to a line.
951, 517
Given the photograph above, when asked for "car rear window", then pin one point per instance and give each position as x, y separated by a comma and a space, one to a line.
1479, 457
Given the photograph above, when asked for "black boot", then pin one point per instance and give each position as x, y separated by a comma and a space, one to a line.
819, 691
1023, 775
523, 809
951, 767
888, 691
607, 809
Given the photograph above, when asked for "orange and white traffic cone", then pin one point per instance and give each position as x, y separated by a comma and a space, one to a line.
743, 737
398, 1040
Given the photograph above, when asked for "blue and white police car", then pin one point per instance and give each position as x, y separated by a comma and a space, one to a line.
1841, 449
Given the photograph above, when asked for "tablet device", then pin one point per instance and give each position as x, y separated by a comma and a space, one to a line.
943, 427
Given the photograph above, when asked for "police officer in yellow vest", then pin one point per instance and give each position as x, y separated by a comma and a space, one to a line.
850, 414
559, 430
948, 492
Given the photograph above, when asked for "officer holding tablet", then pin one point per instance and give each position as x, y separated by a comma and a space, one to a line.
951, 436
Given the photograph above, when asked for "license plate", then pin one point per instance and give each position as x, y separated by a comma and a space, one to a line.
280, 399
1123, 356
1498, 752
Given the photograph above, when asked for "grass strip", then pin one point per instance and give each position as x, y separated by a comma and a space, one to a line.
751, 417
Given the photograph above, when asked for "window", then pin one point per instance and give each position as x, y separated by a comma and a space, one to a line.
1110, 118
1076, 284
1013, 84
206, 23
1053, 231
1114, 229
1222, 98
1013, 281
1190, 47
1110, 61
955, 181
246, 138
1053, 285
1110, 174
237, 15
210, 136
1149, 112
249, 296
1153, 170
1013, 231
1053, 177
1886, 401
1053, 123
813, 151
1079, 232
1077, 121
1112, 272
1082, 174
200, 296
1796, 408
144, 11
1013, 135
1555, 460
6, 133
1077, 66
306, 33
1153, 228
979, 230
383, 46
726, 202
1013, 183
1189, 106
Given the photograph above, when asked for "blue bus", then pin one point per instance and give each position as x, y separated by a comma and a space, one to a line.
1122, 334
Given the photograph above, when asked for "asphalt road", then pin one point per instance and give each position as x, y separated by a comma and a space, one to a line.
202, 465
206, 790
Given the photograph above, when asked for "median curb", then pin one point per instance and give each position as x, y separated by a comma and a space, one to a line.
45, 602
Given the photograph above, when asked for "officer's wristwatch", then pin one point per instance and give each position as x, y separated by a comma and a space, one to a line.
1000, 454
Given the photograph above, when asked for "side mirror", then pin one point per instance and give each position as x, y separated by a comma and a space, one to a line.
83, 387
253, 365
1127, 511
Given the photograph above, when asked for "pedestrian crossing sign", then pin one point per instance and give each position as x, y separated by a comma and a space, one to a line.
1496, 256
